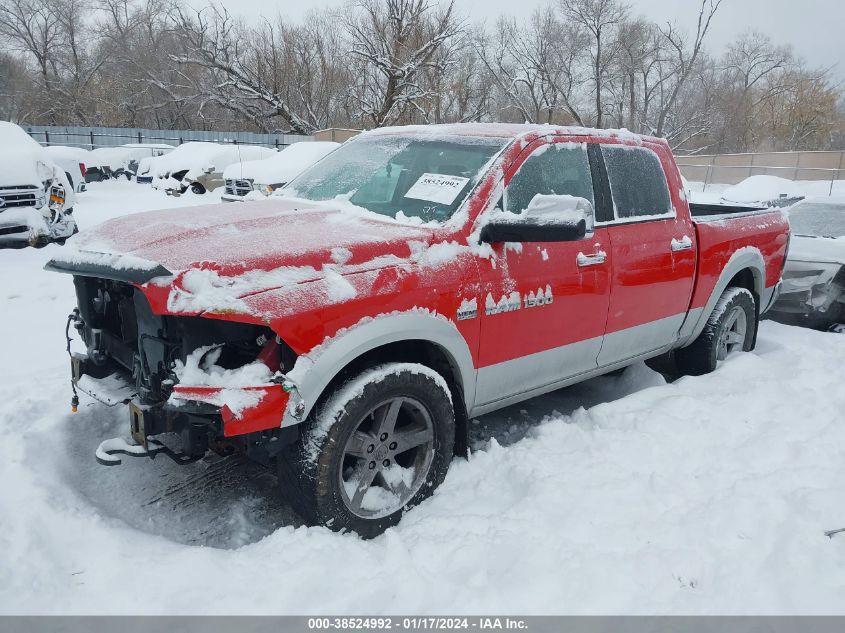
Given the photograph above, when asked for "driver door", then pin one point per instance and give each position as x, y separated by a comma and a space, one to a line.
543, 305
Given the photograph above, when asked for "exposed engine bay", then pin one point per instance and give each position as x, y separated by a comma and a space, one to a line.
132, 356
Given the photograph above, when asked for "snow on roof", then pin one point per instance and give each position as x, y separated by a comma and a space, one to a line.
14, 138
199, 155
282, 166
113, 157
64, 152
149, 145
506, 130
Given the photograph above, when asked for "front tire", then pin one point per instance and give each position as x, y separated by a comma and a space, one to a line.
732, 327
379, 445
197, 188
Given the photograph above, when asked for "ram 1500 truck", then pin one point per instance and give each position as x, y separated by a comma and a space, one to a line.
414, 278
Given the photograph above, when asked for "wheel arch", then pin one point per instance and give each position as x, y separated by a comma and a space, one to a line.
745, 269
422, 338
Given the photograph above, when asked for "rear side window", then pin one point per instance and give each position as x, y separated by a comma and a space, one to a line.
561, 169
637, 182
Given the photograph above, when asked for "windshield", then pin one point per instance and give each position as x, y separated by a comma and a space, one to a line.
409, 175
818, 220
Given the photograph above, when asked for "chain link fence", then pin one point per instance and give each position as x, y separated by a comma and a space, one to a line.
94, 137
731, 169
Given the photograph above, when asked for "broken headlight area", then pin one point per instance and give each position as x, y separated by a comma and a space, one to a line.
57, 199
205, 379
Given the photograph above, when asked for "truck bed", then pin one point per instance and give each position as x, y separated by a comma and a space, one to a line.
707, 210
723, 230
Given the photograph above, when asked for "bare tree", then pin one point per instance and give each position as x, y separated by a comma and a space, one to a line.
685, 57
396, 42
241, 63
34, 28
602, 19
376, 62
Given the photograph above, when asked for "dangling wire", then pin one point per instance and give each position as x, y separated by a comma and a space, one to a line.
72, 317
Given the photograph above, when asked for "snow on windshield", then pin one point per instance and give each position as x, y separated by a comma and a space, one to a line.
407, 176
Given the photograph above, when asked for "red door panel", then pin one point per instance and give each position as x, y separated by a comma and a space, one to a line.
542, 312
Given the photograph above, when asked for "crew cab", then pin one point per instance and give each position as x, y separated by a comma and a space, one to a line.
412, 279
36, 197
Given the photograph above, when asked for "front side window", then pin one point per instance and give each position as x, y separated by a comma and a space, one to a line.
413, 175
637, 182
557, 169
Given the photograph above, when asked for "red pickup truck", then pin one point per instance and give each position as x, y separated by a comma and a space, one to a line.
347, 330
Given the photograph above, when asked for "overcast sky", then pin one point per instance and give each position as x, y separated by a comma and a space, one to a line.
816, 28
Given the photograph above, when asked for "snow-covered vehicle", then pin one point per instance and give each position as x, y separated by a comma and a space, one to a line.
414, 278
123, 161
103, 162
139, 152
199, 166
144, 175
762, 190
73, 161
813, 292
36, 198
257, 179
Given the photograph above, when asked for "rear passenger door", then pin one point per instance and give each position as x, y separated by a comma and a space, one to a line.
653, 255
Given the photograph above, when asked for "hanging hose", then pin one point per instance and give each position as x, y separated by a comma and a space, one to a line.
72, 317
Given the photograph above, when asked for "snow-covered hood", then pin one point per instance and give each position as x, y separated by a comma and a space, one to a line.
281, 168
24, 166
267, 171
817, 249
266, 236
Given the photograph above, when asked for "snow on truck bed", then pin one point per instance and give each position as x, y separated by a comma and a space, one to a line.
622, 495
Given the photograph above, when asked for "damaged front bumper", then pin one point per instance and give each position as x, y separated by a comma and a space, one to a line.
30, 226
240, 410
202, 416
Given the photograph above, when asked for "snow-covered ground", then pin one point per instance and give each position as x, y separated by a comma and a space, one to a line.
621, 495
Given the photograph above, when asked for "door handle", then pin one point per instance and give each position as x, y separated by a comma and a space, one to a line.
683, 244
595, 259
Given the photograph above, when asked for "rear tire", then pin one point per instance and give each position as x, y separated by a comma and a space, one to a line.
377, 446
732, 327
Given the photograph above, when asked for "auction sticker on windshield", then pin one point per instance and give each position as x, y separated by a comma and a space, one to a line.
438, 188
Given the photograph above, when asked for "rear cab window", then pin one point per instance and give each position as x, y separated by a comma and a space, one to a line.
637, 183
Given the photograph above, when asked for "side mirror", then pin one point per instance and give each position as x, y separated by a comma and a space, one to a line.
548, 218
